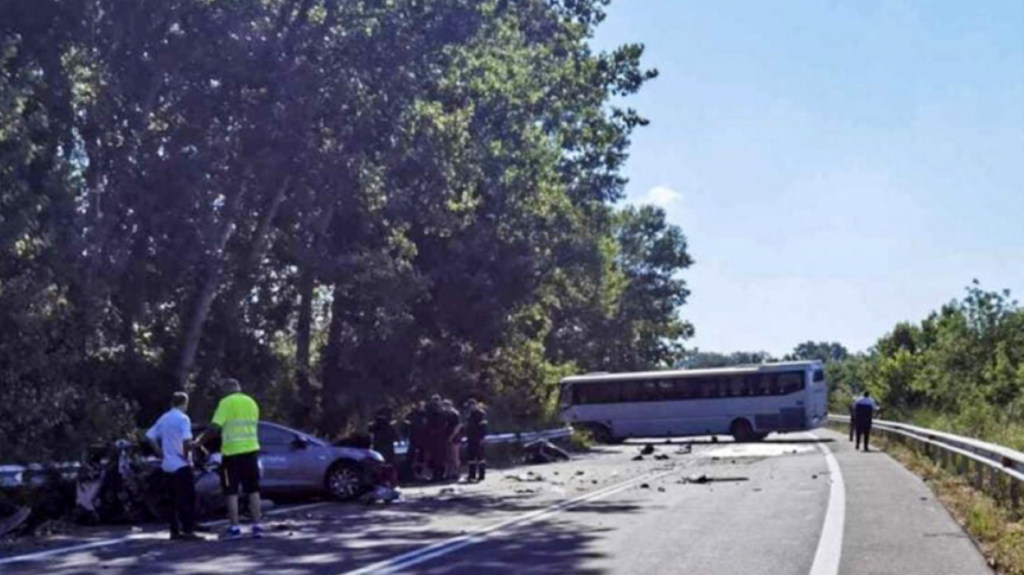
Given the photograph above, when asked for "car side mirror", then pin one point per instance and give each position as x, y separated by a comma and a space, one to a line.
300, 442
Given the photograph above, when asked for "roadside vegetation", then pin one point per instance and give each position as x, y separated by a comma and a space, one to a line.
341, 204
961, 369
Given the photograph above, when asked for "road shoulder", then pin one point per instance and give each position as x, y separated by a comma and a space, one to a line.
894, 523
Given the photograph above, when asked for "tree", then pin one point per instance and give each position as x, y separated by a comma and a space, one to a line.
821, 351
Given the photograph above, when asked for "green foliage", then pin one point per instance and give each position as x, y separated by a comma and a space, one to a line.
960, 369
341, 204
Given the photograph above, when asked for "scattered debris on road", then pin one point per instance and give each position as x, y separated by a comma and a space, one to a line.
638, 458
645, 486
703, 478
528, 477
647, 449
543, 451
661, 456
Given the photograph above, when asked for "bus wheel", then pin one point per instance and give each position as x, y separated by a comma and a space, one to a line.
742, 431
600, 433
760, 436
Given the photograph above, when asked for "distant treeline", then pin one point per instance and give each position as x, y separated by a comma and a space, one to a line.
340, 204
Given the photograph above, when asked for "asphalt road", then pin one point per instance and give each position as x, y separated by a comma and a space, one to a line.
773, 508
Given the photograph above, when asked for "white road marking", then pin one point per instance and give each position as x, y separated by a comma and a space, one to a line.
830, 545
441, 548
756, 450
153, 535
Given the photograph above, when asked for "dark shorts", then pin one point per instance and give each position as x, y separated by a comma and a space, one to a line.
240, 472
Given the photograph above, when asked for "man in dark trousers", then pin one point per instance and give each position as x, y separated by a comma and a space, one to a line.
863, 413
384, 435
437, 439
171, 437
416, 426
476, 431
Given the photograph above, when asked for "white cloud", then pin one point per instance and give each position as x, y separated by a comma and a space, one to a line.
661, 196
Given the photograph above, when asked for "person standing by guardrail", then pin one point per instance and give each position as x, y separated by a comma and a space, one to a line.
863, 414
476, 431
171, 437
237, 417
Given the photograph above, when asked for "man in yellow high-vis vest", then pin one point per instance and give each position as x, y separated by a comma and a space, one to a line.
237, 417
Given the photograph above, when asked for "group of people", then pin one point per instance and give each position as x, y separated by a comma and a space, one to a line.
236, 420
436, 430
862, 413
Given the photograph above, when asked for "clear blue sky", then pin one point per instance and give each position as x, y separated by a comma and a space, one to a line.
836, 166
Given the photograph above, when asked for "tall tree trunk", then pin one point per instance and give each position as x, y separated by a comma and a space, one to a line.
201, 308
212, 281
331, 368
306, 403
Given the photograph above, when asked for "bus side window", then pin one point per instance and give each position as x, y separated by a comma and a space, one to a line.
736, 386
773, 384
686, 388
597, 393
716, 387
750, 385
791, 382
630, 391
763, 384
666, 390
650, 391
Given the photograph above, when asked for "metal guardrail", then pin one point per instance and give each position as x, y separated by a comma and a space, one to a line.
990, 462
529, 436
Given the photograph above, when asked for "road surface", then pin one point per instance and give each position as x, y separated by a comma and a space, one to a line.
795, 505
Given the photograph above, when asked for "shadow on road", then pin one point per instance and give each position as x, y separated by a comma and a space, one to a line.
338, 539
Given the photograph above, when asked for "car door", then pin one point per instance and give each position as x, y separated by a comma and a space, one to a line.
277, 453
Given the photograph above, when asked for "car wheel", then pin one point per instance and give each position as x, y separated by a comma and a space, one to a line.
344, 481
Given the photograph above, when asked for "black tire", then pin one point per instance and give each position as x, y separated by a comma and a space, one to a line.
742, 431
600, 433
344, 481
760, 436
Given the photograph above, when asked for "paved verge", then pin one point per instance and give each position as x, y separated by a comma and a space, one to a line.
894, 524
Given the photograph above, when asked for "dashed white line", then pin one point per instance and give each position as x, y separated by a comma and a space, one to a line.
441, 548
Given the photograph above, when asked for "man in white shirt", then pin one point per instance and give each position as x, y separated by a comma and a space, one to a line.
171, 437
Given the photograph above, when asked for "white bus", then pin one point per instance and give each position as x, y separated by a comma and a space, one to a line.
747, 402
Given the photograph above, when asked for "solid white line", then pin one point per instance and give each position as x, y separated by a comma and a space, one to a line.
454, 544
830, 545
47, 554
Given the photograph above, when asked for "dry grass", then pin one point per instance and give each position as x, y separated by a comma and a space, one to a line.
997, 529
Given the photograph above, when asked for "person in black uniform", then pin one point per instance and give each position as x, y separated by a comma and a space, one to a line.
384, 435
864, 412
476, 431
